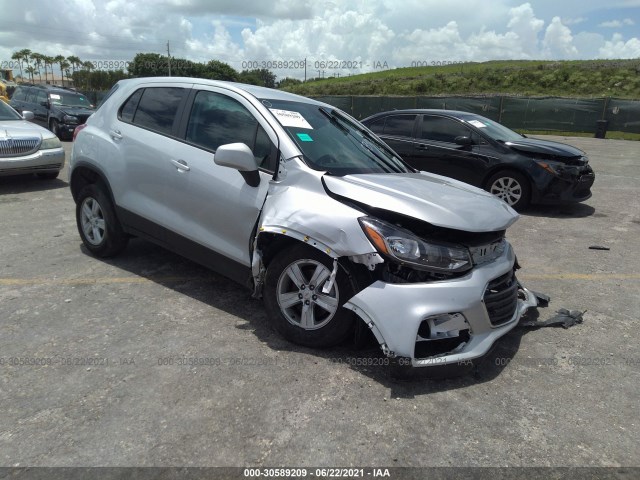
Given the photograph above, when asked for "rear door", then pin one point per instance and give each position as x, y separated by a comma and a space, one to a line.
397, 131
144, 137
211, 205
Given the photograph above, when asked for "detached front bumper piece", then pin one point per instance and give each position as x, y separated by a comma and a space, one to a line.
445, 322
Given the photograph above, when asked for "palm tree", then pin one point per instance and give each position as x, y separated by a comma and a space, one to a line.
22, 56
59, 59
64, 67
75, 62
88, 66
38, 58
18, 56
49, 61
31, 70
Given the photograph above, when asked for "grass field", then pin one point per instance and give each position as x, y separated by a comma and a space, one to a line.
579, 78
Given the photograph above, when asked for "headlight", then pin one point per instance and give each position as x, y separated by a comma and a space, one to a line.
406, 248
70, 119
551, 167
48, 143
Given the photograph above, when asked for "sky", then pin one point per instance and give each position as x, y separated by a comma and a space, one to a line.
335, 37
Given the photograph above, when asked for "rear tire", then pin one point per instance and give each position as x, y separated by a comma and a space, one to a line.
98, 225
511, 187
296, 305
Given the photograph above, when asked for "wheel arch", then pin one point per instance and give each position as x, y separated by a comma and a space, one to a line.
84, 174
506, 168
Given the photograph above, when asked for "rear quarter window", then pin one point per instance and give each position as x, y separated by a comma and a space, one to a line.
156, 109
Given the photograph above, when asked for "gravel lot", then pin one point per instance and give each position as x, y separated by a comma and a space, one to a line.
115, 341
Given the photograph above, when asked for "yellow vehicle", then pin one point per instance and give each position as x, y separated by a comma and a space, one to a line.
7, 84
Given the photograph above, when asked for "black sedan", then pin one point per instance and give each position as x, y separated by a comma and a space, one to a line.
479, 151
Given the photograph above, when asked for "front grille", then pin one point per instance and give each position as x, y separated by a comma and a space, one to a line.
501, 299
10, 147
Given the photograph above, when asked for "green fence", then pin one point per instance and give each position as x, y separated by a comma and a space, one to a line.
522, 113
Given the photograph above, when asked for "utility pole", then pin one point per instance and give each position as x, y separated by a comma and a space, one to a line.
305, 69
168, 57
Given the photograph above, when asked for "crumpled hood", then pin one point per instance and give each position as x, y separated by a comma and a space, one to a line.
437, 200
22, 129
77, 111
545, 147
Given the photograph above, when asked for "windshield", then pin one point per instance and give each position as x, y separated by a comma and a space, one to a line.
8, 113
332, 142
492, 129
70, 100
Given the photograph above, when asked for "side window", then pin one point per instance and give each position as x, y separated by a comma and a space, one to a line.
128, 110
377, 126
42, 97
19, 94
399, 125
157, 108
442, 129
216, 120
31, 95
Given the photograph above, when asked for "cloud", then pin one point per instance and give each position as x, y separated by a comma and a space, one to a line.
618, 48
357, 32
558, 41
617, 23
574, 21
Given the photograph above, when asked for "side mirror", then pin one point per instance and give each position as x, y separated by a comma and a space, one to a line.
27, 115
464, 141
239, 157
44, 103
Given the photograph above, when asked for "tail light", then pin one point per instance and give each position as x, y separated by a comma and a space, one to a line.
77, 130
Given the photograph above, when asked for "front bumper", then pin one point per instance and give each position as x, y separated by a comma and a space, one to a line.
42, 161
573, 185
451, 314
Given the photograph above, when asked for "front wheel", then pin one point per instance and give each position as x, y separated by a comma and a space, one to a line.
512, 187
54, 126
296, 303
98, 225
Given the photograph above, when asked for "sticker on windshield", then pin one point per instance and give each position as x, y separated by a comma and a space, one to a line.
55, 96
477, 123
291, 119
304, 137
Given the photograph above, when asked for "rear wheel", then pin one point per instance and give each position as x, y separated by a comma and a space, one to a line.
512, 187
98, 225
297, 304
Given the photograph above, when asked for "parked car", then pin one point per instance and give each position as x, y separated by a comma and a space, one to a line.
300, 202
59, 109
484, 153
27, 148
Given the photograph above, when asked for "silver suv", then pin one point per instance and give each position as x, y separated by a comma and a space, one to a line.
307, 207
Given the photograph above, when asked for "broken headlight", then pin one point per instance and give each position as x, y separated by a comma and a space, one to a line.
404, 247
554, 168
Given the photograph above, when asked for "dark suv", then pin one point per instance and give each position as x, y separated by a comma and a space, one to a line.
59, 109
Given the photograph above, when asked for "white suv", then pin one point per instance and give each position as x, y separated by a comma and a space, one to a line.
300, 202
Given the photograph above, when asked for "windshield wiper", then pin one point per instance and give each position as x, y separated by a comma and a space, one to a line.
336, 118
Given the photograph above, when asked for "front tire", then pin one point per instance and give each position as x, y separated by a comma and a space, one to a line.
512, 187
295, 301
54, 126
98, 225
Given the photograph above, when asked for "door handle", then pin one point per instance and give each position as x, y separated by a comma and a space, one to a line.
181, 165
115, 134
422, 146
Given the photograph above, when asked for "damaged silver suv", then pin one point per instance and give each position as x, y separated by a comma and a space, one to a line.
305, 206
